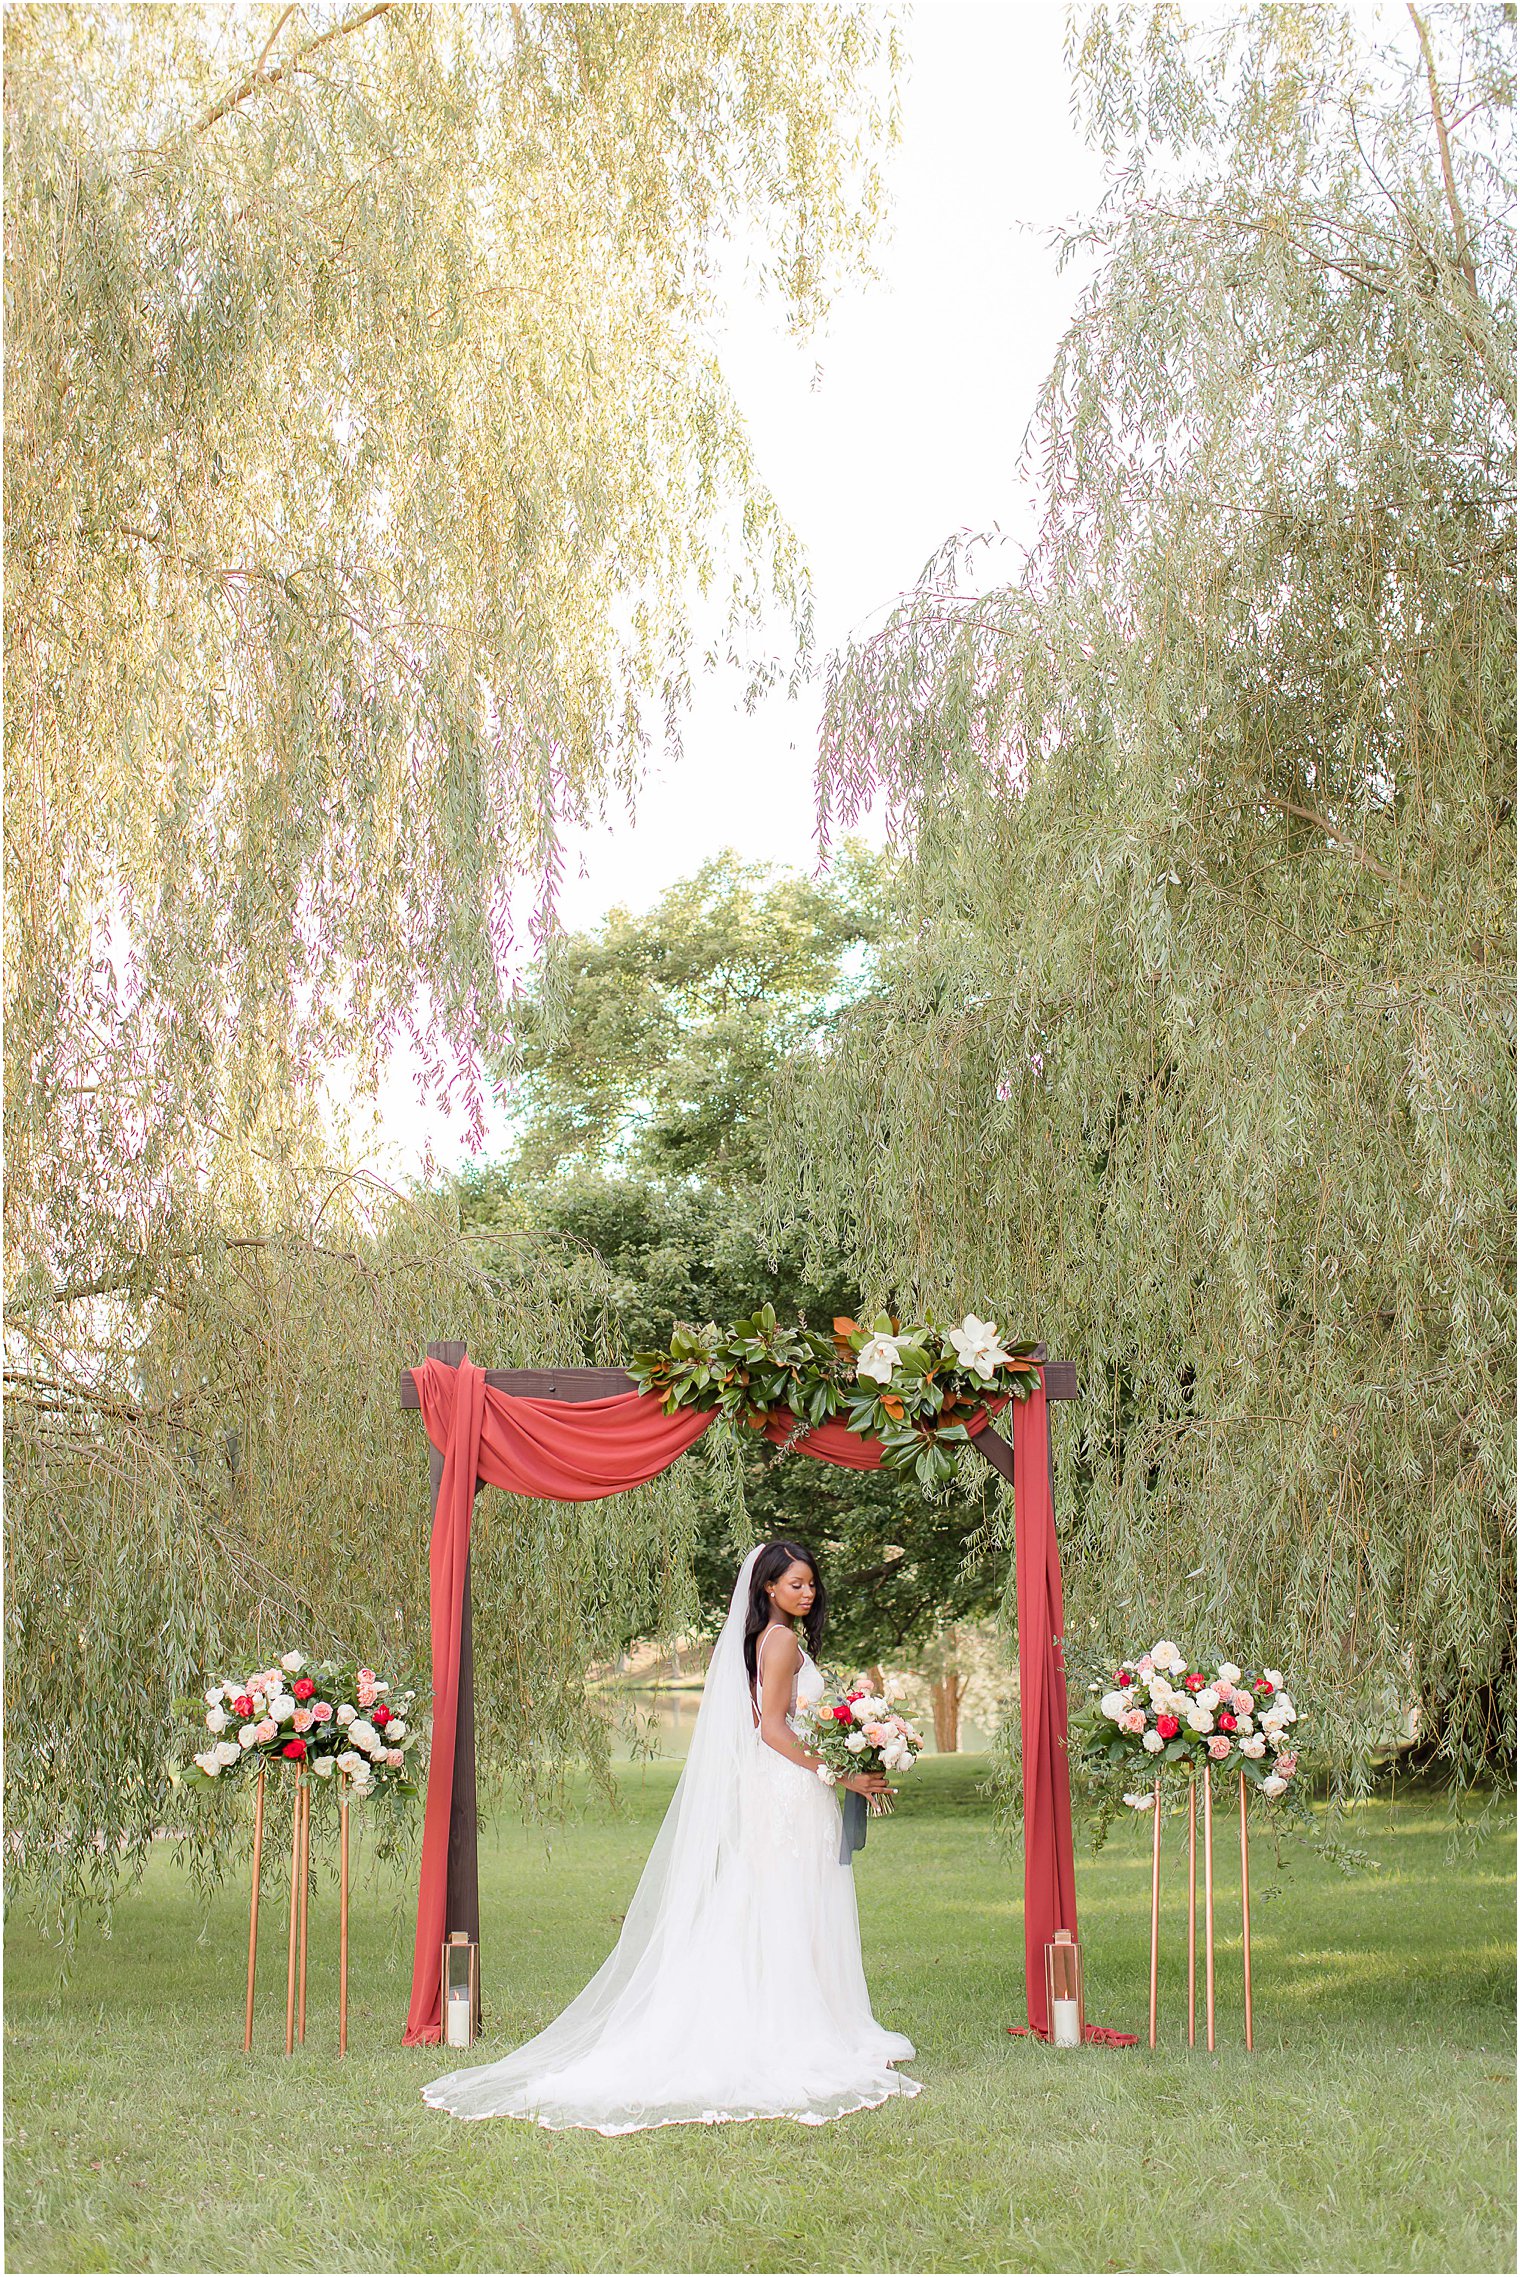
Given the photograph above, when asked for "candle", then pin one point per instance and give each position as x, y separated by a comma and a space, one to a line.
1066, 2031
459, 2016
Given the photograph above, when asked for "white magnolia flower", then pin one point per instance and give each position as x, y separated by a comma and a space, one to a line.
1140, 1802
248, 1735
292, 1664
213, 1697
1114, 1703
879, 1357
1273, 1784
857, 1743
977, 1347
1208, 1698
282, 1707
1228, 1672
1152, 1742
227, 1751
1199, 1719
346, 1714
323, 1765
1253, 1745
216, 1719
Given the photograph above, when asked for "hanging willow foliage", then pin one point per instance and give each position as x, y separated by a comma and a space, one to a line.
1197, 1057
372, 491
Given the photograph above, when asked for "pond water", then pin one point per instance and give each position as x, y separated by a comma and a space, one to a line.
666, 1721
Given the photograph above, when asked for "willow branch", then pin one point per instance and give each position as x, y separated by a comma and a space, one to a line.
259, 79
1458, 223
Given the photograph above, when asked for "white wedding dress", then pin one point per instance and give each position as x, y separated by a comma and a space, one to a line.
735, 1990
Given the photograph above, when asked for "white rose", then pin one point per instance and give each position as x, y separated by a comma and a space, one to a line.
227, 1751
213, 1697
857, 1743
292, 1664
216, 1719
829, 1777
1228, 1672
395, 1730
209, 1764
1165, 1654
1199, 1719
363, 1734
348, 1761
1140, 1802
260, 1699
282, 1707
323, 1766
346, 1714
1283, 1706
1152, 1742
1273, 1785
1208, 1698
247, 1735
1243, 1722
1114, 1704
1253, 1746
1274, 1678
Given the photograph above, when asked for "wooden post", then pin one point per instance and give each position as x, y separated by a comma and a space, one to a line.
295, 1908
1193, 1909
1155, 1897
1245, 1908
1208, 1905
303, 1795
343, 1927
253, 1906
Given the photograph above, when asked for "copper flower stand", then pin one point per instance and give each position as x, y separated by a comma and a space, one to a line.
300, 1885
1208, 1908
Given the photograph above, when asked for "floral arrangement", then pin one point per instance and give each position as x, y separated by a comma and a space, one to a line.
915, 1386
326, 1717
860, 1731
1162, 1712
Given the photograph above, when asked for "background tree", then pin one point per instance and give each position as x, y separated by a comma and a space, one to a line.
1199, 1033
372, 493
647, 1127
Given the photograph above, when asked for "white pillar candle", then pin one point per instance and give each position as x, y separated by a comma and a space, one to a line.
1064, 2030
458, 2019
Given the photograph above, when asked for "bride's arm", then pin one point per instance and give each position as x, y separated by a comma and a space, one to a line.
779, 1663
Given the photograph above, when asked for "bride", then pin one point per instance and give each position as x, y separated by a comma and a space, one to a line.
735, 1990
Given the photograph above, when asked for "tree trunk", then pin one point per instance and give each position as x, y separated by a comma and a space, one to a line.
875, 1679
946, 1693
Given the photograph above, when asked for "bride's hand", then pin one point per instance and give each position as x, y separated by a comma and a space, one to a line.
868, 1783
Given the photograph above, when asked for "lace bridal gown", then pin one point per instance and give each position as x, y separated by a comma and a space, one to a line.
735, 1990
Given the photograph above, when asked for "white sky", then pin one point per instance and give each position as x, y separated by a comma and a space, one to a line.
928, 379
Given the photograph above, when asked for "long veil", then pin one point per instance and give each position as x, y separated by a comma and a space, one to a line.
735, 1990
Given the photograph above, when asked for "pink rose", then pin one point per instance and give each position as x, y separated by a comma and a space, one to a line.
1243, 1702
303, 1719
394, 1758
1286, 1765
321, 1711
1219, 1746
267, 1730
1133, 1719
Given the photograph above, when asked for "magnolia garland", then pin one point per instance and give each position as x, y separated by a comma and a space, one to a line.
913, 1385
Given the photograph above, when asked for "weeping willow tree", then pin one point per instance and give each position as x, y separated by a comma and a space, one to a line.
1197, 1057
372, 493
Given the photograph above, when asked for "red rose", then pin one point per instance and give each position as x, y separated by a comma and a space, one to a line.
303, 1688
242, 1705
1192, 1684
294, 1748
1121, 1675
380, 1716
1167, 1726
1226, 1721
1263, 1686
842, 1716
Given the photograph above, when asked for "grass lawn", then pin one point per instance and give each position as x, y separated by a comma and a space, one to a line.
1372, 2129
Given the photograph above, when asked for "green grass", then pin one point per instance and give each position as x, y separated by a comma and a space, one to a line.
1372, 2129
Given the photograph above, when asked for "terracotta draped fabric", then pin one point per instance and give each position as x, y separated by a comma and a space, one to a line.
581, 1451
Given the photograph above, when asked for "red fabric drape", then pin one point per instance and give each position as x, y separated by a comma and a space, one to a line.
581, 1451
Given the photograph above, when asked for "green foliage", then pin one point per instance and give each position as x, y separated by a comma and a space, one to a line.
372, 492
1202, 1008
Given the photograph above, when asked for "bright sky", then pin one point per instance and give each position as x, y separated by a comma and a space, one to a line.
897, 428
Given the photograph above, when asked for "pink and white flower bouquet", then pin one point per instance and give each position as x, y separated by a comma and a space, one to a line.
859, 1730
1162, 1712
327, 1719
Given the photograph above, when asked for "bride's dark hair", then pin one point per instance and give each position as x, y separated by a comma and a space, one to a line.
770, 1565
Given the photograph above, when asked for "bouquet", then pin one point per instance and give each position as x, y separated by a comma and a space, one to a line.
1161, 1712
325, 1717
859, 1731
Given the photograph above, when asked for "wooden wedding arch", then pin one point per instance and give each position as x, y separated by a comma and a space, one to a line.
461, 1906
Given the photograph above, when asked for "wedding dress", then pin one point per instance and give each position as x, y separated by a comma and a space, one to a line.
735, 1990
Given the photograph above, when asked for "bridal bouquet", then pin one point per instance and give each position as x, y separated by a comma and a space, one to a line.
1162, 1711
327, 1717
860, 1731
